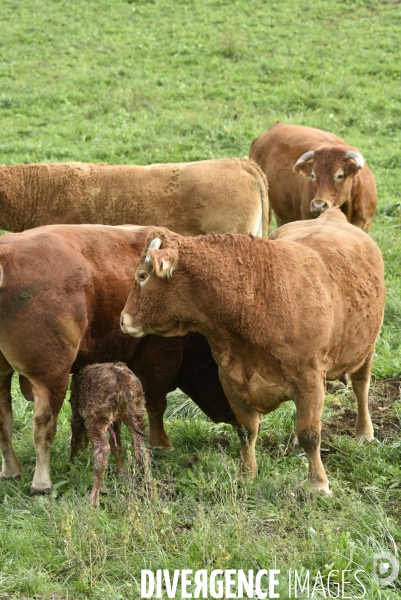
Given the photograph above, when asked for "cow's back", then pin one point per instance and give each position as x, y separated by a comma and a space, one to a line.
63, 287
285, 143
350, 266
222, 195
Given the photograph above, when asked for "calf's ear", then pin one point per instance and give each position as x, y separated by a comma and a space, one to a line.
164, 261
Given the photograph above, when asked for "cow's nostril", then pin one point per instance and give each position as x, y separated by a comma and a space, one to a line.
319, 207
122, 321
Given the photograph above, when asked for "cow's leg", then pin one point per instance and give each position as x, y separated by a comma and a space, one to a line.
155, 407
360, 384
309, 400
116, 446
157, 364
11, 467
101, 451
249, 424
48, 398
249, 421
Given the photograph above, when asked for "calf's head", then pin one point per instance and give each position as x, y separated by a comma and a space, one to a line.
331, 170
154, 305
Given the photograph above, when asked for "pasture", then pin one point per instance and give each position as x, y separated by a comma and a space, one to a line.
147, 81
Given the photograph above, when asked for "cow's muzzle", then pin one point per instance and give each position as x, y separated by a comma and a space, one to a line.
127, 327
318, 206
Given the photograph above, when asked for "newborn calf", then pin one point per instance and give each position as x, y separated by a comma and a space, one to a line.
103, 395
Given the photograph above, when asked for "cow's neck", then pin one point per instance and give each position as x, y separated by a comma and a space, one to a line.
230, 278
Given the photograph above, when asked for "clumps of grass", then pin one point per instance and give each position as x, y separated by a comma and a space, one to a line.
231, 45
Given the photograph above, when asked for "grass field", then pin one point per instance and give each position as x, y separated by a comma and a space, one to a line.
155, 81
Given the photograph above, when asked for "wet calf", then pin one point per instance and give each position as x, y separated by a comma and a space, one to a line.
103, 396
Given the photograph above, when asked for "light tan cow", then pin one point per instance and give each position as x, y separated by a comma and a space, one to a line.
221, 195
281, 315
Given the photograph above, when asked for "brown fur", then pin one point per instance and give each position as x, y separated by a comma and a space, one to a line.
228, 194
103, 396
281, 315
291, 195
61, 295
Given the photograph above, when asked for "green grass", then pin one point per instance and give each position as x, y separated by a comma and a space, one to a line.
156, 81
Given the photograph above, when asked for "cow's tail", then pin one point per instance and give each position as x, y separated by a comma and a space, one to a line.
253, 169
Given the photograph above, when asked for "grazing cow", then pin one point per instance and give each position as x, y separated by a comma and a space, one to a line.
281, 315
62, 289
103, 396
220, 195
310, 170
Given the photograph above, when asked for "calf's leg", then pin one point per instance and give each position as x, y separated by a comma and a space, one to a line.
360, 384
309, 400
101, 451
142, 455
79, 436
78, 430
116, 446
11, 467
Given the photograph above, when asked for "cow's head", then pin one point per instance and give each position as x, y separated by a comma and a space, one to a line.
331, 170
152, 306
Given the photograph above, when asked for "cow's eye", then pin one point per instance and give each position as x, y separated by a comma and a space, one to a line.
313, 176
340, 177
142, 277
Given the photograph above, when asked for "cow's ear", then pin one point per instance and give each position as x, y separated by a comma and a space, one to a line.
351, 167
303, 168
164, 261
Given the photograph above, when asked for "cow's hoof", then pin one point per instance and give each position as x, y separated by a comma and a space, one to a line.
40, 491
94, 500
365, 437
323, 490
4, 477
247, 473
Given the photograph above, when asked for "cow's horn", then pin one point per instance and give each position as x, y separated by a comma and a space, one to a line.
156, 243
358, 158
306, 156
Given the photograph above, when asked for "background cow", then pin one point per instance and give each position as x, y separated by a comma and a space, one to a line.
222, 195
281, 315
309, 171
62, 289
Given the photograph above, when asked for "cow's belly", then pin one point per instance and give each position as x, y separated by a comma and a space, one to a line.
262, 390
267, 395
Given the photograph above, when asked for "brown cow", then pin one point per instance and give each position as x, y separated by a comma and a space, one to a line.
281, 315
221, 195
310, 170
62, 289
